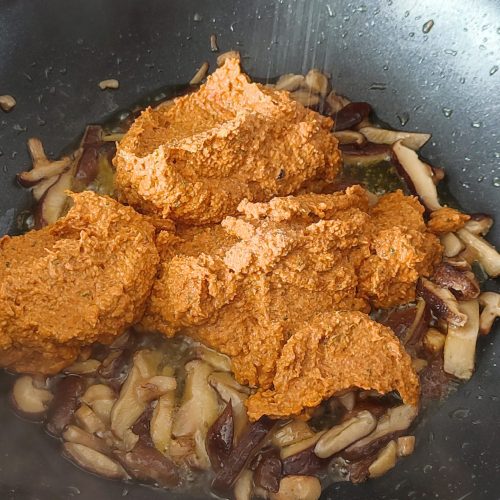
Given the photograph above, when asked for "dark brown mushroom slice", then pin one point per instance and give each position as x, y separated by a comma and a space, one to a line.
147, 464
115, 366
142, 426
219, 440
462, 283
93, 147
442, 302
249, 444
351, 115
268, 472
304, 463
408, 323
66, 400
358, 470
434, 381
365, 154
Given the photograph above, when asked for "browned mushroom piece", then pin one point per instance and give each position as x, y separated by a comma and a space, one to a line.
366, 154
242, 453
64, 404
219, 441
461, 282
479, 224
351, 115
417, 174
147, 464
460, 344
442, 302
413, 140
485, 253
490, 302
28, 400
268, 471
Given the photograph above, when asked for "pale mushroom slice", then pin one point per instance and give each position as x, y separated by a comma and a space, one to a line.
460, 344
486, 254
28, 400
418, 175
490, 301
198, 411
412, 140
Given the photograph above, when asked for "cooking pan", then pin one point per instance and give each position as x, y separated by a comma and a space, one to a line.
445, 81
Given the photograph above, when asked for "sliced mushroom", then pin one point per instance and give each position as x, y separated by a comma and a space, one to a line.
147, 464
335, 102
74, 434
365, 155
162, 421
452, 244
341, 436
460, 345
64, 404
490, 301
46, 171
243, 488
155, 387
220, 438
291, 433
487, 255
351, 115
396, 419
462, 283
442, 302
128, 408
227, 387
88, 367
290, 82
317, 82
304, 463
88, 420
299, 446
412, 140
242, 453
29, 401
199, 409
94, 461
219, 361
405, 445
385, 460
434, 341
417, 174
101, 398
53, 202
200, 74
298, 488
268, 471
479, 224
349, 137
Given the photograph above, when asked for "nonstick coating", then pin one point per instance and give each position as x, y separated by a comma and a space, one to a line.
54, 53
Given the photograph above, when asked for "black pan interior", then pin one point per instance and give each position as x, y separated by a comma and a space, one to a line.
446, 81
